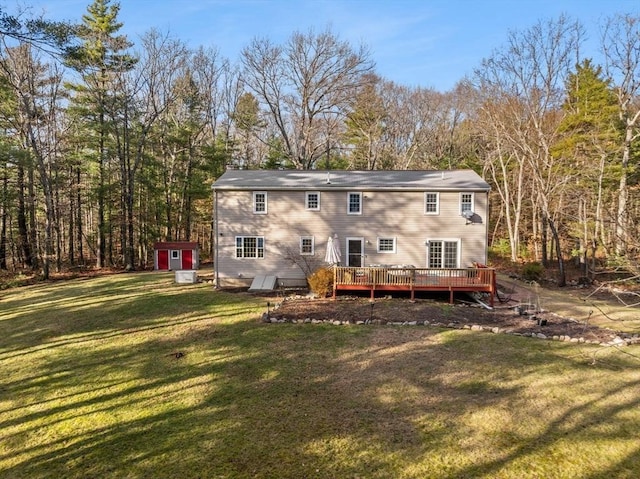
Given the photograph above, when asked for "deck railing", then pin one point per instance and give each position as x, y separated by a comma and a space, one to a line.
415, 279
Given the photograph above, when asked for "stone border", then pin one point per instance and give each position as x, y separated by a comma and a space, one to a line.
619, 339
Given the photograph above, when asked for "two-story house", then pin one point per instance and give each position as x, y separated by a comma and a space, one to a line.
420, 219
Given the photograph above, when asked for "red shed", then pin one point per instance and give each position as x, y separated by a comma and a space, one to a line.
175, 255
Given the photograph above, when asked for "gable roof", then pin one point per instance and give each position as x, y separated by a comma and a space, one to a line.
175, 245
441, 180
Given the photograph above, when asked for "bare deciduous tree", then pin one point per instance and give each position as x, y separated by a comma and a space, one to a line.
309, 80
526, 79
36, 87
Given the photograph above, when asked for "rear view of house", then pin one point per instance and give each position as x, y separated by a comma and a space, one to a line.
269, 223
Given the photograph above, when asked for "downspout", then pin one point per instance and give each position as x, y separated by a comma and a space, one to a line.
486, 229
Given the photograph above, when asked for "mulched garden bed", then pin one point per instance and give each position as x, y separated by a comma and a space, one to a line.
504, 318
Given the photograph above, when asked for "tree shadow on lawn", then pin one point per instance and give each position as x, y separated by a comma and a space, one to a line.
249, 399
75, 317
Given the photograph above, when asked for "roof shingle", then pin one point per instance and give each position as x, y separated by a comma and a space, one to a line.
441, 180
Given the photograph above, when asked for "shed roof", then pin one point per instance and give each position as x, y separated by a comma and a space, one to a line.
175, 245
441, 180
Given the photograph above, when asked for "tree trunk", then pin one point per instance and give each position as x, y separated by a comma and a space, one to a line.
101, 246
584, 239
562, 277
79, 222
3, 220
544, 241
72, 218
621, 229
49, 207
623, 196
31, 217
23, 231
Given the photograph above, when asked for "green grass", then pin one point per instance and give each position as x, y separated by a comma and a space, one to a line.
91, 388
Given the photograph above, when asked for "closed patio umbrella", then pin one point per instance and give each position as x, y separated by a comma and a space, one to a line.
333, 255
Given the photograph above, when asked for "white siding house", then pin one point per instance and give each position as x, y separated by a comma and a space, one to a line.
423, 219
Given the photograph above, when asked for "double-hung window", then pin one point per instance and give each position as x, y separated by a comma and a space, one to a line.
386, 245
466, 202
354, 203
307, 246
431, 203
443, 254
249, 246
260, 202
312, 200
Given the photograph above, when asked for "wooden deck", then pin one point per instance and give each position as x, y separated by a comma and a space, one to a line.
415, 279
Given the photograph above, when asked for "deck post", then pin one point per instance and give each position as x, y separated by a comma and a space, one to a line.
335, 278
494, 287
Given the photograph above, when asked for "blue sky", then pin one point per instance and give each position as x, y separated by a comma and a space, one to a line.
429, 43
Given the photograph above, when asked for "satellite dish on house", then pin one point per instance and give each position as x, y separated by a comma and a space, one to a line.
468, 214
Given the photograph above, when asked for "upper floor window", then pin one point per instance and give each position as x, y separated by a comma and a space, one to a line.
354, 203
431, 203
386, 245
307, 246
249, 246
312, 200
466, 202
260, 202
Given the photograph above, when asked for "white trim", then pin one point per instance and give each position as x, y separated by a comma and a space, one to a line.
177, 256
472, 206
258, 248
306, 200
395, 244
346, 249
255, 203
313, 245
359, 194
437, 211
458, 242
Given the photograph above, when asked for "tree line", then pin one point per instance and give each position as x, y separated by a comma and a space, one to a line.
107, 146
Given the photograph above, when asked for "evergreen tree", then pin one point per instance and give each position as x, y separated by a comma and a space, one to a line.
101, 56
365, 126
591, 133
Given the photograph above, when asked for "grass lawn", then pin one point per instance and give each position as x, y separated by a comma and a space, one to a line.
90, 387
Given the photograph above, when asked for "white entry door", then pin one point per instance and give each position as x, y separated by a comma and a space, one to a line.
355, 252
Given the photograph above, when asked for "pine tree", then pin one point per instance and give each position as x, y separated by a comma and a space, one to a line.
99, 59
591, 133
